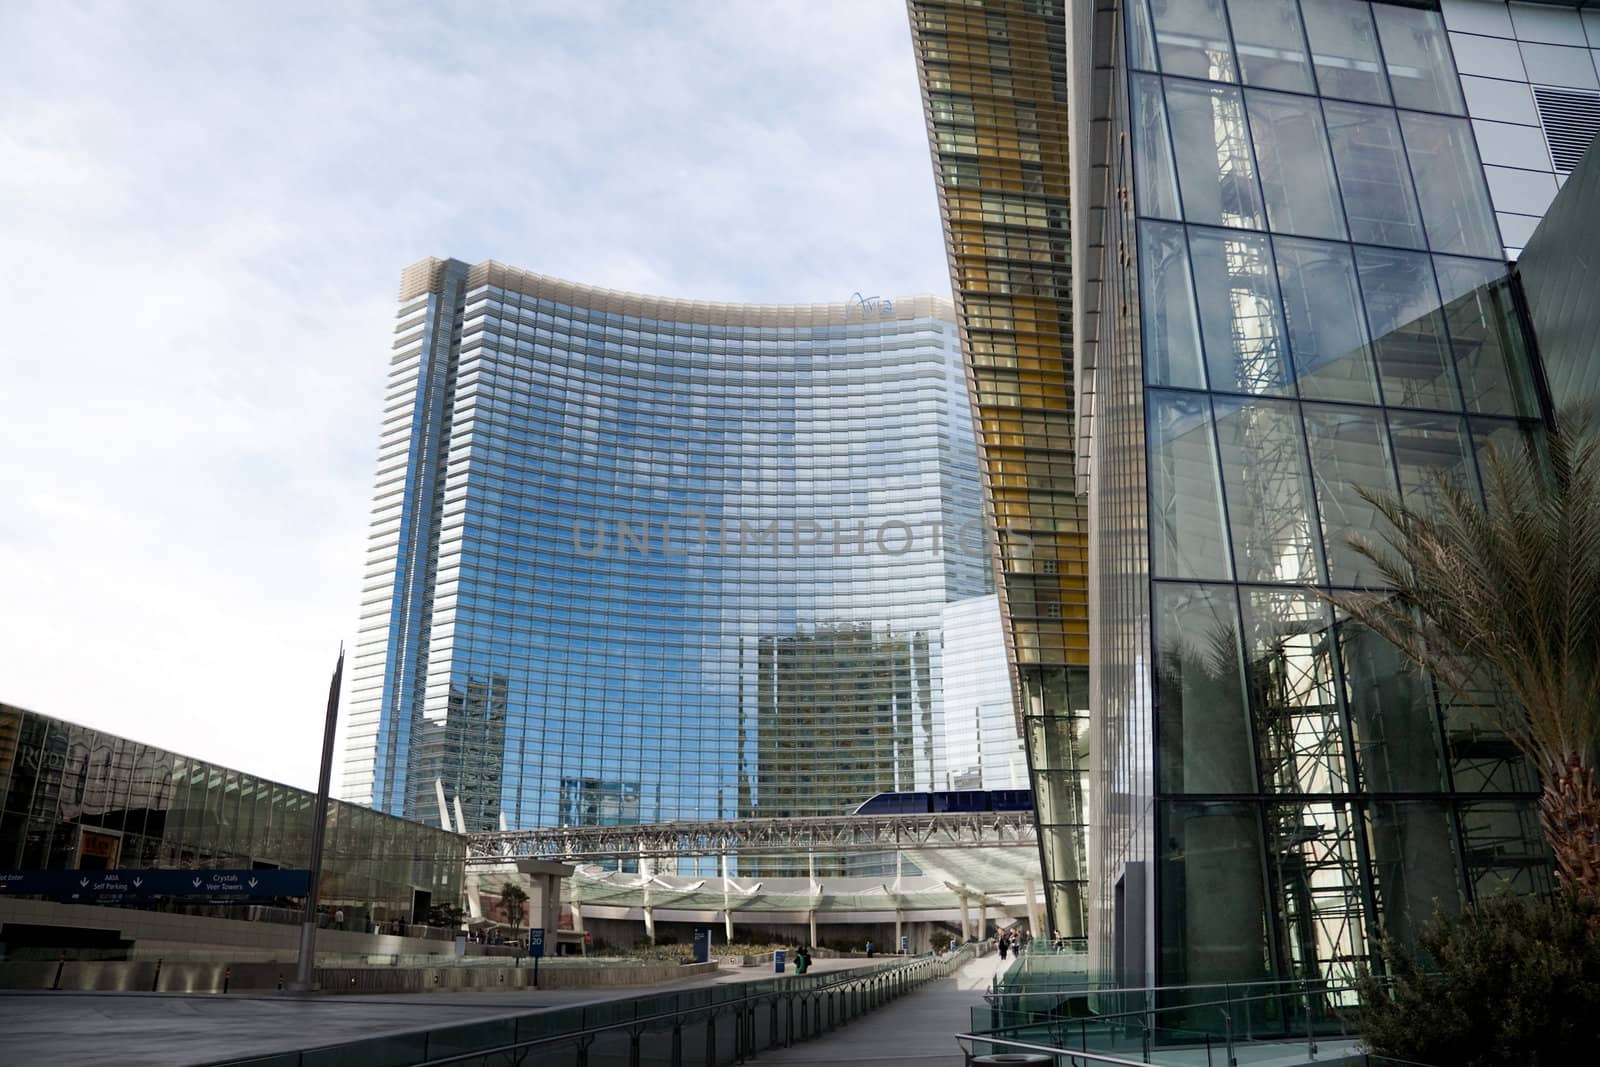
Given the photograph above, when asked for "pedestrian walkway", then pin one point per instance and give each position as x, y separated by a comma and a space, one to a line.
918, 1028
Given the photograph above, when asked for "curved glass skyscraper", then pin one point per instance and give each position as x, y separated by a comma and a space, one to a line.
638, 559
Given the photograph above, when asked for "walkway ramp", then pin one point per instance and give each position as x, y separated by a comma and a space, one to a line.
918, 1028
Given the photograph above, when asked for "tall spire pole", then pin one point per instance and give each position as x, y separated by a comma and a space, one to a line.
319, 828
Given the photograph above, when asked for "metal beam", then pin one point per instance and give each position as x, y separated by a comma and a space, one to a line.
759, 837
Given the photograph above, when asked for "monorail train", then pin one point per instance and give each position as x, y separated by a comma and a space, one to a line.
947, 800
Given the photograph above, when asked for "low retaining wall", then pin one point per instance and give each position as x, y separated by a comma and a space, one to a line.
151, 976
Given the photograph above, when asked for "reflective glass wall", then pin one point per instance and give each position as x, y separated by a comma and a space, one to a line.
1312, 301
993, 75
680, 560
76, 798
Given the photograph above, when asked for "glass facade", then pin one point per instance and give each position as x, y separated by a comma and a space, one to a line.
640, 560
993, 78
76, 798
1303, 295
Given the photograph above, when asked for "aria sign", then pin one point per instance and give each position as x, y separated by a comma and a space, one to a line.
872, 307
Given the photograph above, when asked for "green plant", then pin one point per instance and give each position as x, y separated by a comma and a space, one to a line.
1502, 595
1512, 981
940, 940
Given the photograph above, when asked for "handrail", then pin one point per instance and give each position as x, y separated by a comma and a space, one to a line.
807, 986
1095, 1056
1191, 1005
596, 1030
1090, 988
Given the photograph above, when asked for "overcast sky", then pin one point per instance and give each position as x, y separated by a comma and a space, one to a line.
204, 211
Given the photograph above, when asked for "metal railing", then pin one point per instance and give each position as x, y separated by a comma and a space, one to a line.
1218, 1020
713, 1025
1062, 1057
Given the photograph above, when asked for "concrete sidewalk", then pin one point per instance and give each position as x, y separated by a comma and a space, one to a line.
66, 1029
918, 1028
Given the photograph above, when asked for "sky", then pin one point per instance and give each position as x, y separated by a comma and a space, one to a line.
204, 212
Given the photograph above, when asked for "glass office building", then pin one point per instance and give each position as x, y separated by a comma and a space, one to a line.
1291, 285
72, 797
994, 88
638, 559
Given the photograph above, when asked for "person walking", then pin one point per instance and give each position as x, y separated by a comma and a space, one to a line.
1003, 943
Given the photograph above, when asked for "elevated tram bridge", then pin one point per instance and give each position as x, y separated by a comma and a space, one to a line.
828, 834
958, 860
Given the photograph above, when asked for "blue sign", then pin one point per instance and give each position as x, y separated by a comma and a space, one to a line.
702, 944
114, 887
905, 944
777, 960
536, 942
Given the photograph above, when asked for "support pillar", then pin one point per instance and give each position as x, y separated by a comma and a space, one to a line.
812, 915
1035, 919
899, 926
727, 901
966, 921
650, 924
577, 916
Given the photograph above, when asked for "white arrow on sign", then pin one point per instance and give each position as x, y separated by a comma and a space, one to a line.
196, 883
252, 883
83, 882
137, 882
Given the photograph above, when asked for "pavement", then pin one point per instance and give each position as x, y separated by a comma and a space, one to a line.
919, 1028
66, 1029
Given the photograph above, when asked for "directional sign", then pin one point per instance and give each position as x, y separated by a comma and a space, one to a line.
536, 942
110, 887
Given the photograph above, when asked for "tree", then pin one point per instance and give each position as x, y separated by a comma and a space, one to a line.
1503, 594
513, 898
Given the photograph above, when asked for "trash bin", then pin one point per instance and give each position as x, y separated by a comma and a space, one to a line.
1010, 1059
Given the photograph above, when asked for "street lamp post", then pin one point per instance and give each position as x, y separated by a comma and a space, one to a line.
319, 827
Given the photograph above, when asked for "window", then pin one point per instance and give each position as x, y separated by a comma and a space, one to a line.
1344, 50
1296, 171
1215, 169
1272, 48
1239, 320
1186, 527
1407, 330
1171, 337
1378, 199
1455, 205
1322, 308
1417, 52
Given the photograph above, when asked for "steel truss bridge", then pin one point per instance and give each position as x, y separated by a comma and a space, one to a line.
758, 837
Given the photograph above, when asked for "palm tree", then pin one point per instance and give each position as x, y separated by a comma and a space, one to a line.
1504, 593
512, 898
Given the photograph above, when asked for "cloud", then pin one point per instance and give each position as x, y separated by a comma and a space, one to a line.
204, 211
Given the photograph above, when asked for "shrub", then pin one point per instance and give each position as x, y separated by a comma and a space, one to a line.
1515, 980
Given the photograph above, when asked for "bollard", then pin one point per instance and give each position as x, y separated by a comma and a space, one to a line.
280, 980
155, 983
59, 968
227, 977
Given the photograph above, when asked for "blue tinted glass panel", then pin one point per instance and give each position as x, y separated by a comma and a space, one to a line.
1349, 451
1187, 537
1155, 181
1216, 171
1268, 491
1371, 163
1417, 52
1455, 203
1193, 38
1296, 170
1344, 50
1486, 336
1239, 318
1322, 304
1166, 305
1271, 45
1203, 720
1414, 363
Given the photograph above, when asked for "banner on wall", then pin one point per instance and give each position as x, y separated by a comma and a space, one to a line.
115, 887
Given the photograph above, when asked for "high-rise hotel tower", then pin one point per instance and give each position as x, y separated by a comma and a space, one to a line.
639, 559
